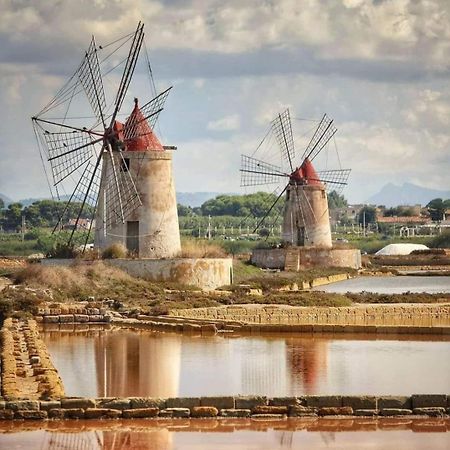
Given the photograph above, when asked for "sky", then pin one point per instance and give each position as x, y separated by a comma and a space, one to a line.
379, 68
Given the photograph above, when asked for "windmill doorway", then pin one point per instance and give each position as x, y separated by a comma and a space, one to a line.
133, 237
301, 236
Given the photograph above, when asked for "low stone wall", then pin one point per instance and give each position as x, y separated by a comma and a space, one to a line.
299, 258
205, 273
371, 318
256, 407
73, 314
27, 370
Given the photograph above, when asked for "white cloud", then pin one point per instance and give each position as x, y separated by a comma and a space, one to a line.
228, 123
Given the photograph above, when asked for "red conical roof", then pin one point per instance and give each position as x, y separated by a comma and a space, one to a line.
144, 139
306, 174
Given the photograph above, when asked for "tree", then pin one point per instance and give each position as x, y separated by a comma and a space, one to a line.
12, 217
437, 208
2, 203
368, 214
184, 211
336, 201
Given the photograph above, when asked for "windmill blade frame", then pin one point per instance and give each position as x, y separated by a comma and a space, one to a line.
282, 129
324, 132
255, 172
270, 209
334, 180
90, 78
128, 71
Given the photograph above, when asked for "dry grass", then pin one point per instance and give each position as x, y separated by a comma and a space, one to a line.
197, 248
115, 251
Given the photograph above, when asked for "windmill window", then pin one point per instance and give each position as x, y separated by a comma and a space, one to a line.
125, 165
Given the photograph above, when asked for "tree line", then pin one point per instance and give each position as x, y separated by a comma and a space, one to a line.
40, 214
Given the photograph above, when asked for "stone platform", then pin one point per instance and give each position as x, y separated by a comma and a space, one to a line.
295, 259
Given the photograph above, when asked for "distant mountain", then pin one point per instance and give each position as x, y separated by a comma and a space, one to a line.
194, 199
6, 199
407, 194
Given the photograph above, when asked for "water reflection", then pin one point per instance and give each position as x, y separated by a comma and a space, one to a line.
109, 363
225, 434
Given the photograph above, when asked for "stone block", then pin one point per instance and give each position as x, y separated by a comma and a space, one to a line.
113, 403
29, 405
398, 402
360, 401
66, 318
429, 400
270, 409
73, 413
81, 318
431, 411
268, 416
324, 401
284, 401
395, 412
182, 402
177, 412
56, 413
51, 319
2, 404
204, 411
336, 411
235, 412
165, 413
302, 411
366, 412
147, 402
6, 414
50, 404
218, 402
140, 413
96, 318
74, 403
249, 402
30, 415
102, 413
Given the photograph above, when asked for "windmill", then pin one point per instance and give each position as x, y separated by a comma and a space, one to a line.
117, 173
305, 215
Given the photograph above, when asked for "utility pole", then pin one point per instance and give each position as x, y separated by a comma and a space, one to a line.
364, 222
23, 227
209, 227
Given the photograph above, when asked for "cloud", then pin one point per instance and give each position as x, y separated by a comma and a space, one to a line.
379, 68
228, 123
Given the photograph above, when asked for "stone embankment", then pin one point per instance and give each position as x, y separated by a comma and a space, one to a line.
73, 314
255, 407
27, 370
397, 318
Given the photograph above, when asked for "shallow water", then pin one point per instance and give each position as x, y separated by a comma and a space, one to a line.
390, 285
227, 434
144, 363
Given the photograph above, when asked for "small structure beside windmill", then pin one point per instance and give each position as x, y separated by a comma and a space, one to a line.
306, 233
118, 172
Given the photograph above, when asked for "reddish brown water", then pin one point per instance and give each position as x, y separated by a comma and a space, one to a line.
401, 434
129, 363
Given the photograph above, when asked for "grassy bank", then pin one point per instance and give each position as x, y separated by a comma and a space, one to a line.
97, 282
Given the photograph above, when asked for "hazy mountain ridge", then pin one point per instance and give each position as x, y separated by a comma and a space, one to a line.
407, 194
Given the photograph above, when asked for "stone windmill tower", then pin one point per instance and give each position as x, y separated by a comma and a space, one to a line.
305, 215
151, 230
122, 175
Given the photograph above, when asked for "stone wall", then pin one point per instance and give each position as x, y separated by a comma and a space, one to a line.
299, 258
205, 273
255, 407
422, 318
27, 370
66, 314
